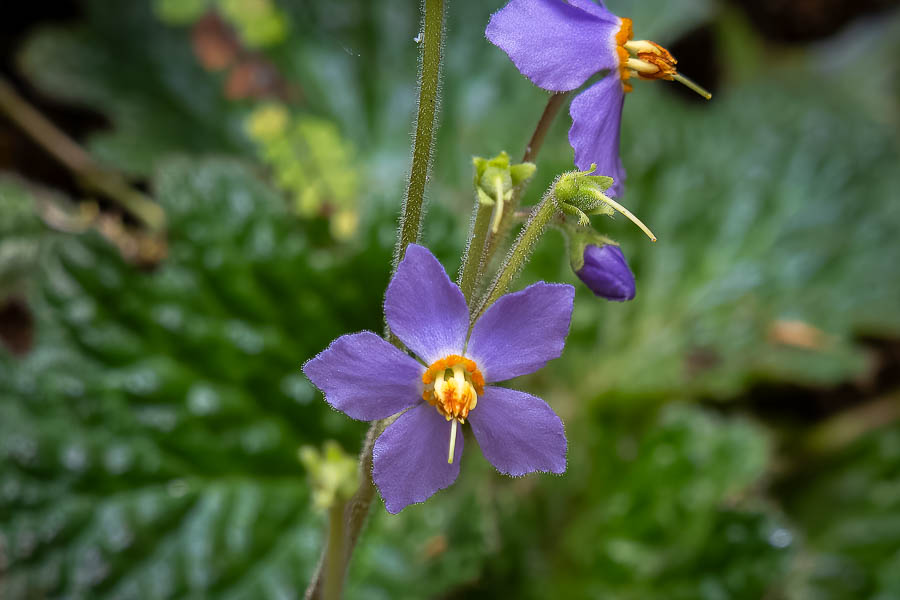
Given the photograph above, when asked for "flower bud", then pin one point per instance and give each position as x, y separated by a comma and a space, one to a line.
495, 179
578, 193
606, 273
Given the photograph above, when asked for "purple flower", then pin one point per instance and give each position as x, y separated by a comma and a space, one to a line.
606, 273
559, 45
367, 378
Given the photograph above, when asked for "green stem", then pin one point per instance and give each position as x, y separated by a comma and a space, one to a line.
423, 141
473, 259
357, 508
72, 156
554, 103
521, 250
355, 512
334, 560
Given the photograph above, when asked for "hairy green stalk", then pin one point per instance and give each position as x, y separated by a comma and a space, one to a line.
340, 548
473, 259
426, 117
521, 250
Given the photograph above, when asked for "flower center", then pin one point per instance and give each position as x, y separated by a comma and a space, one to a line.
452, 386
647, 60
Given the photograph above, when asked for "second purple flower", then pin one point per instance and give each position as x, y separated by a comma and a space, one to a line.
559, 45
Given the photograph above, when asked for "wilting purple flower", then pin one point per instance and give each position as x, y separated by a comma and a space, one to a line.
559, 45
606, 273
367, 378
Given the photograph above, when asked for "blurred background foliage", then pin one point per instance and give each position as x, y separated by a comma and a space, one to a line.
733, 432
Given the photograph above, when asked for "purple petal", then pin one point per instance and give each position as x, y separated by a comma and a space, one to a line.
596, 124
365, 377
606, 273
424, 308
521, 332
410, 458
556, 45
518, 433
597, 9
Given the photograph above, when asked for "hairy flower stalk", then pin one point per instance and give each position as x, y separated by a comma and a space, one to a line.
520, 252
357, 508
423, 142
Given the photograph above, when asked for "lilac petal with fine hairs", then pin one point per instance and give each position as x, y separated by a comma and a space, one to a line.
522, 331
518, 433
410, 458
596, 125
606, 273
365, 377
556, 45
595, 8
424, 308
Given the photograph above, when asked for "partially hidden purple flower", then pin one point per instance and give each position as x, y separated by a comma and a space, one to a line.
418, 454
559, 45
606, 273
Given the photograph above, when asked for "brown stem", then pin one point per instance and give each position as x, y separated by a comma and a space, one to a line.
540, 132
72, 156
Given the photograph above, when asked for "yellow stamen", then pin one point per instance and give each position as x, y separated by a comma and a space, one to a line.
452, 386
648, 60
452, 442
627, 213
690, 84
641, 66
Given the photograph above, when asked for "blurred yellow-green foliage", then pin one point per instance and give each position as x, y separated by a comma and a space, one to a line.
733, 431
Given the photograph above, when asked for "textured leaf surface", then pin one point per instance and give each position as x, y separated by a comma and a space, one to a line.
854, 536
150, 441
651, 507
20, 235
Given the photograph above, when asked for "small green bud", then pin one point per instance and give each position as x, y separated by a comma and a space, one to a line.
495, 179
578, 193
332, 473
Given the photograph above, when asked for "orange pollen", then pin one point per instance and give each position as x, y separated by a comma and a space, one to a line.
625, 33
452, 386
642, 58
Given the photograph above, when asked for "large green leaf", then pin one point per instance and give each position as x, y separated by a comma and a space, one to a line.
150, 440
849, 505
655, 506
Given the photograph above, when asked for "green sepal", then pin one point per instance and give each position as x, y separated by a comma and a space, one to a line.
521, 172
496, 175
577, 238
582, 191
483, 198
